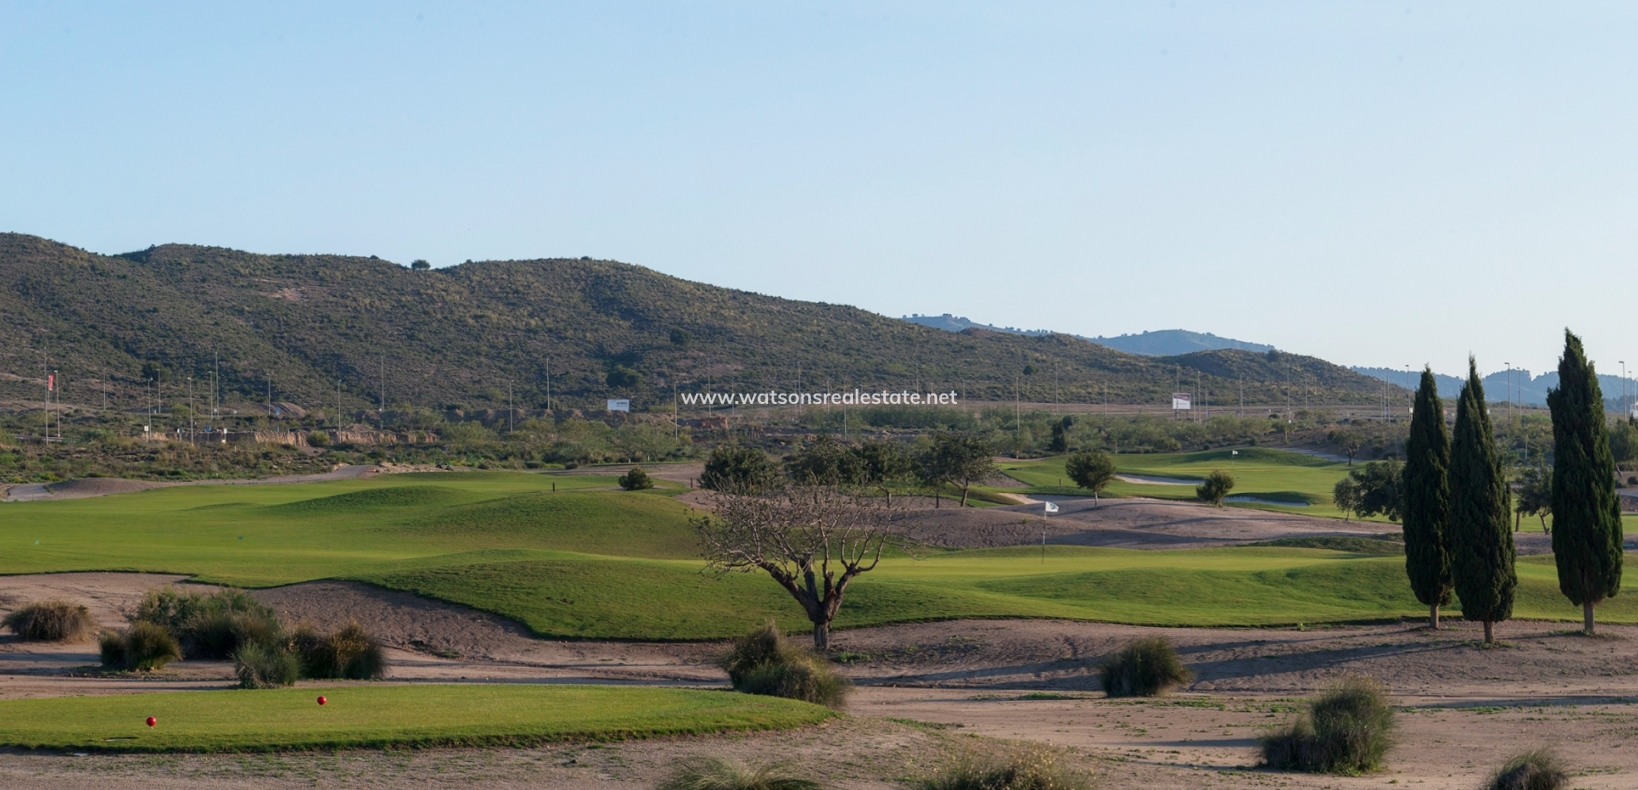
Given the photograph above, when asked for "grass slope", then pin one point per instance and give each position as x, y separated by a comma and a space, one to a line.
614, 564
377, 716
1260, 472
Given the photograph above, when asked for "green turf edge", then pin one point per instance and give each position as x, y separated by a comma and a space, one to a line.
796, 715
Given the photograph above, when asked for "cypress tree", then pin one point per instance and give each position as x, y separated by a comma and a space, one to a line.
1427, 501
1586, 512
1481, 514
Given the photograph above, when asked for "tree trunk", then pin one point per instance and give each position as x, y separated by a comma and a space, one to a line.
964, 496
1489, 632
1517, 518
1433, 617
821, 637
1587, 617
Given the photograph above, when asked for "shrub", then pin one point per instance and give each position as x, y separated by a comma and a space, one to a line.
212, 626
636, 480
1345, 731
716, 773
1144, 668
348, 653
764, 662
265, 665
1216, 486
51, 621
1539, 769
1031, 768
143, 646
318, 439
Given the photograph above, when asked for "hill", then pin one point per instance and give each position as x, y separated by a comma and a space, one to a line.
1165, 342
296, 328
1526, 389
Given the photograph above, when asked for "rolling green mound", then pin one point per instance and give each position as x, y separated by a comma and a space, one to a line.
586, 561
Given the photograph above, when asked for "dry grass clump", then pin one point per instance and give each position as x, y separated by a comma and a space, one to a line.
718, 773
1146, 667
349, 653
265, 666
143, 646
1022, 768
52, 620
1346, 730
765, 662
210, 626
1538, 769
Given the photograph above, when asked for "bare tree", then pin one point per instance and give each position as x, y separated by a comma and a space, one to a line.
812, 539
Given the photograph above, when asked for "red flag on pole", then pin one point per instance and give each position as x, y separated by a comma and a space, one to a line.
51, 382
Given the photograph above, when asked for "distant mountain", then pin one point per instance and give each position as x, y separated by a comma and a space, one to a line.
1168, 342
1163, 343
298, 328
1526, 389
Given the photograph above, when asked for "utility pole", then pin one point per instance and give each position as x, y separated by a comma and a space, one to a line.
510, 427
381, 416
191, 428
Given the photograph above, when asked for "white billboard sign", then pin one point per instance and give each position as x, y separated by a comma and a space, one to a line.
619, 405
1180, 401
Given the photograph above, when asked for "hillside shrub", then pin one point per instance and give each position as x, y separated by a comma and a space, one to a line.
210, 626
635, 480
718, 773
1144, 668
143, 646
318, 439
764, 662
1346, 730
349, 653
1539, 769
51, 621
266, 665
1023, 768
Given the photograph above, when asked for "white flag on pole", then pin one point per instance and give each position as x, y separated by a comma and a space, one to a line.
1234, 452
1051, 508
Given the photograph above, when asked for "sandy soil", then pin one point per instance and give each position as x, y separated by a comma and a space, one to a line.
1464, 707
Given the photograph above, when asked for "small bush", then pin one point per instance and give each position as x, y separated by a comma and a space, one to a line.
1031, 768
265, 666
143, 646
1145, 668
51, 621
765, 662
349, 653
1533, 770
318, 439
716, 773
212, 626
636, 480
1346, 730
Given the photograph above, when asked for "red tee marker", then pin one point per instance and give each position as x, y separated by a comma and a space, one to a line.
152, 721
322, 700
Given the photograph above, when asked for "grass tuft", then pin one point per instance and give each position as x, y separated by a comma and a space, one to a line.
1146, 667
51, 621
143, 646
1023, 768
266, 665
210, 626
764, 662
1346, 730
1538, 769
349, 653
718, 773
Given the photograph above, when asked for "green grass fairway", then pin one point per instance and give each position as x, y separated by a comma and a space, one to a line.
376, 716
1258, 472
615, 564
265, 535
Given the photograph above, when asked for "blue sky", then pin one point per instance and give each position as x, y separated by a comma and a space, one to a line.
1374, 183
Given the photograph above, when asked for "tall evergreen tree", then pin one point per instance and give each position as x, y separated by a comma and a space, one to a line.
1586, 511
1427, 501
1481, 514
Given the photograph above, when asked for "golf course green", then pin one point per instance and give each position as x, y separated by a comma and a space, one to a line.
591, 561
